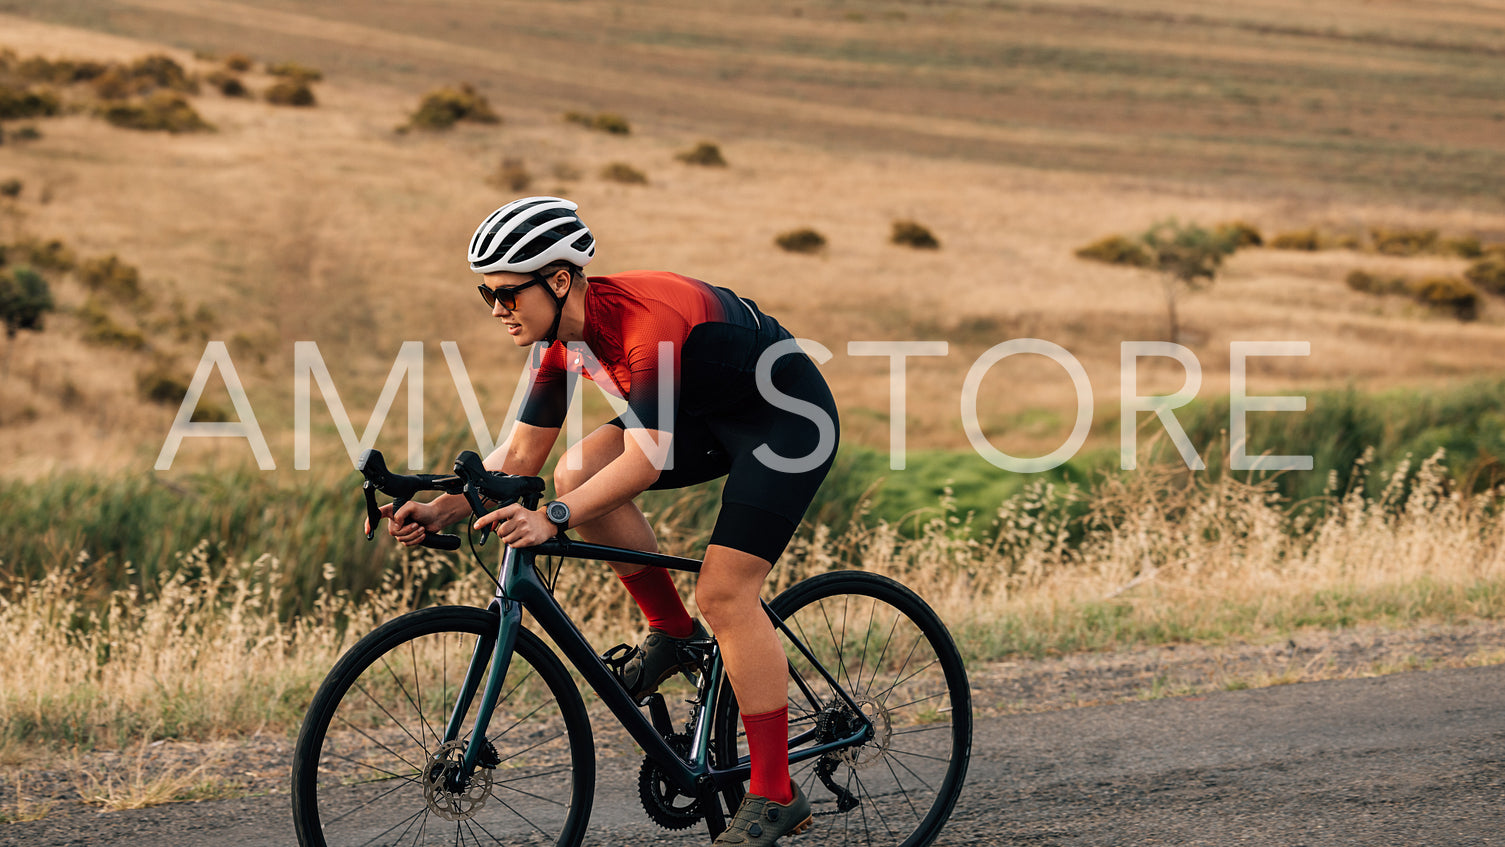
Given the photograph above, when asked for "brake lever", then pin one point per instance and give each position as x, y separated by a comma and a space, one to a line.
373, 513
478, 508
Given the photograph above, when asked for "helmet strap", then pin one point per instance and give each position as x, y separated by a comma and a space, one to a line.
553, 333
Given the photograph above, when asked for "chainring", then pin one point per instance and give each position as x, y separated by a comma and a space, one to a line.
663, 802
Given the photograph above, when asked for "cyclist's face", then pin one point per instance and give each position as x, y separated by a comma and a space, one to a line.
525, 309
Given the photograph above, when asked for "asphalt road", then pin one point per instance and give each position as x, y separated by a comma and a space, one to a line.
1411, 759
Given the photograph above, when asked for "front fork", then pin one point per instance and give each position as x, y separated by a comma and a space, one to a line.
500, 649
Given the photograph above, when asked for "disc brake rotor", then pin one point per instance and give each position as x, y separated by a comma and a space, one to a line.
866, 755
454, 805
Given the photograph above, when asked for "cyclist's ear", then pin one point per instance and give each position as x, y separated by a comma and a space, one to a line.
561, 280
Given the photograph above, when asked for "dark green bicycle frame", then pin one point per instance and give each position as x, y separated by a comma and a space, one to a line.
520, 587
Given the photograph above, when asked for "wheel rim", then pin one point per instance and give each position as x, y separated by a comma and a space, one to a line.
898, 786
385, 777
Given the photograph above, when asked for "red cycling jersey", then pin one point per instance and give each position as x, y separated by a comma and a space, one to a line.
627, 316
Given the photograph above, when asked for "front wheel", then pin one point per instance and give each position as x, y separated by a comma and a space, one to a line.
372, 767
896, 660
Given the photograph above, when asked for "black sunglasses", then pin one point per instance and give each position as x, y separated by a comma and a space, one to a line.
507, 296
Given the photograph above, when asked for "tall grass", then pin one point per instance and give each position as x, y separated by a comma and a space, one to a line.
1339, 427
1148, 558
130, 528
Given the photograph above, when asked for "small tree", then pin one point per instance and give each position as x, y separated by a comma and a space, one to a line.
1187, 257
24, 299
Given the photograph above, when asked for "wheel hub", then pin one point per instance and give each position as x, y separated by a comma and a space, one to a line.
869, 753
448, 796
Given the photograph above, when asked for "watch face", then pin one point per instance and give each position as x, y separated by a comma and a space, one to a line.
559, 513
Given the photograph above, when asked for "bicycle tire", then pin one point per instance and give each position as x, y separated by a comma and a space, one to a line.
896, 658
372, 731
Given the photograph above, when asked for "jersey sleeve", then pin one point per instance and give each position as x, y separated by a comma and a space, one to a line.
548, 397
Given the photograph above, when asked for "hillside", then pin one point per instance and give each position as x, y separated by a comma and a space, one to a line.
1016, 132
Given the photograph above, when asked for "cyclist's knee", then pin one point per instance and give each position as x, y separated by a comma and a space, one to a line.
586, 457
569, 475
728, 588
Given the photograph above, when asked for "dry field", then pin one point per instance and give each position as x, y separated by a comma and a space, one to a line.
1015, 132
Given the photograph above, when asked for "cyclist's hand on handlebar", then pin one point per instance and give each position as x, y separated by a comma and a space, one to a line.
518, 526
412, 523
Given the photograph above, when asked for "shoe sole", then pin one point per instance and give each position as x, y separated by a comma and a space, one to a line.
799, 828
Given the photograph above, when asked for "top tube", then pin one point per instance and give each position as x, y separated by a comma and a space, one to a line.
562, 545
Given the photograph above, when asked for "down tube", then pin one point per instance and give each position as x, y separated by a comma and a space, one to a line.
546, 610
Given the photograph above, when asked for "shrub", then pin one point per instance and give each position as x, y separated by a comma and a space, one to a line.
623, 173
25, 133
44, 255
18, 103
1464, 247
24, 299
608, 122
1488, 273
1117, 250
291, 92
705, 153
804, 240
163, 111
1302, 239
511, 175
238, 62
293, 70
109, 276
1368, 283
11, 188
115, 84
1447, 293
228, 84
197, 326
912, 234
1239, 234
1403, 242
445, 107
159, 384
101, 329
60, 71
147, 74
162, 71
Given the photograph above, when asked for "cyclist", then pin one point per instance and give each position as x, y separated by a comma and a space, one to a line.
772, 434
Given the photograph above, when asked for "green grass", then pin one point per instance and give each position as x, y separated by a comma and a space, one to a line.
1339, 428
134, 529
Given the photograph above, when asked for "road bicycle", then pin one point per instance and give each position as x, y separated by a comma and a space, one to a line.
458, 725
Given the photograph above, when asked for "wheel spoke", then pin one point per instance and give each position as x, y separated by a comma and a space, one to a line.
888, 654
368, 771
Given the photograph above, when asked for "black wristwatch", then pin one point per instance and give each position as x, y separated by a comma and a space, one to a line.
558, 514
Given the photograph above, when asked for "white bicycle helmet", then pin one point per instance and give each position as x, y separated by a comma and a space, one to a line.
527, 234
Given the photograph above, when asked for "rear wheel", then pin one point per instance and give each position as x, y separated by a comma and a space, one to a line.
371, 767
895, 658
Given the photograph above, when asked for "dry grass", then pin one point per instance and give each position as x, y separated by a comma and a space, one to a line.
1146, 561
344, 211
141, 782
24, 807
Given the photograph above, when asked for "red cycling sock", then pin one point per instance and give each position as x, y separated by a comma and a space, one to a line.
768, 747
656, 595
